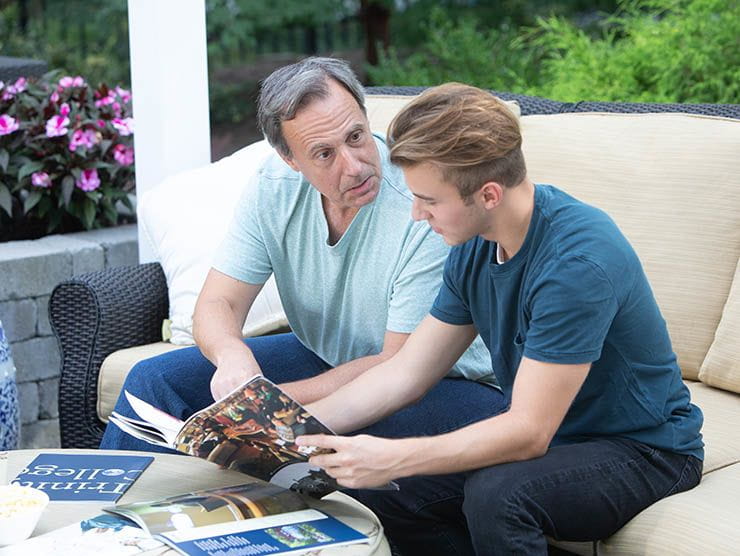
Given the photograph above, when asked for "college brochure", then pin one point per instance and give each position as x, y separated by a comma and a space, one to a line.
83, 477
248, 519
252, 430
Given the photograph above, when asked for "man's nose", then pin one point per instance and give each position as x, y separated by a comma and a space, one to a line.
417, 210
352, 164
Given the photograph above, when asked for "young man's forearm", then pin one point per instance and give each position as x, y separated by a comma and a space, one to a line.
315, 388
500, 439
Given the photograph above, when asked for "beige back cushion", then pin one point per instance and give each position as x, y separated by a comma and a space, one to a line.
721, 367
382, 108
672, 184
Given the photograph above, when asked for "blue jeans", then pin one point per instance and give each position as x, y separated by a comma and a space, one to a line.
575, 492
178, 382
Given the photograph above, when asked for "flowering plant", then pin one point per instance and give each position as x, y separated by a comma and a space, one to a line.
66, 159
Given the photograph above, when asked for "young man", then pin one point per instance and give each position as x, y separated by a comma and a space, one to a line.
329, 216
600, 425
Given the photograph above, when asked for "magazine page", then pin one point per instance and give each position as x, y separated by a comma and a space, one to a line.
146, 433
83, 477
203, 508
168, 425
107, 535
253, 430
292, 533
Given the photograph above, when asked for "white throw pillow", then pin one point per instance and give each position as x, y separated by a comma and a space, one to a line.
185, 218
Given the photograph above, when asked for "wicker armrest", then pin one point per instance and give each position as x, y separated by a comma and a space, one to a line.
93, 315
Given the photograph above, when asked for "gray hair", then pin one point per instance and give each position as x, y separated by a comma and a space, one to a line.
292, 87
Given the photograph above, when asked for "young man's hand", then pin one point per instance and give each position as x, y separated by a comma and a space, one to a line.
360, 461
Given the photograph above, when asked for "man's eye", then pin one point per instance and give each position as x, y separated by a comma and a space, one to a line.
356, 136
323, 155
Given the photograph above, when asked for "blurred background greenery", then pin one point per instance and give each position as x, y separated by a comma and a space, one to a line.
570, 50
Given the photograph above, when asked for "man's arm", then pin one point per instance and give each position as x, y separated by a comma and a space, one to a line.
311, 389
219, 315
542, 395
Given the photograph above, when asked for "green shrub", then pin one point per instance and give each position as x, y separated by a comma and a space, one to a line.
651, 51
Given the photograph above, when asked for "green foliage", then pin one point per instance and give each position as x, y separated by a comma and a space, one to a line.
234, 27
459, 51
78, 37
651, 51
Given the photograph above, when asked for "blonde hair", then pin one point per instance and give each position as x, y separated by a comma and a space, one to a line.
471, 135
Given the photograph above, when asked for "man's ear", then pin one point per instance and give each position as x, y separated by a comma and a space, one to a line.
491, 194
288, 160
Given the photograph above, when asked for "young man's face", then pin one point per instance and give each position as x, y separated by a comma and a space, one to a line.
440, 204
331, 145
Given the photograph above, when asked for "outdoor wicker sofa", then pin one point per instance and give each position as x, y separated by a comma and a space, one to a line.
686, 232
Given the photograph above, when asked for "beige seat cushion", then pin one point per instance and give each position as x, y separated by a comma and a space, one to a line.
721, 367
721, 425
115, 369
703, 520
670, 181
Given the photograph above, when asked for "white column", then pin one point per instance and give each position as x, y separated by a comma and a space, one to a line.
169, 82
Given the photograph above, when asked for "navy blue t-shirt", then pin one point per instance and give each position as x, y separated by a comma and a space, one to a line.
576, 293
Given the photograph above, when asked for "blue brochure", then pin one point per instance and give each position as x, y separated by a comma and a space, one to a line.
287, 534
81, 477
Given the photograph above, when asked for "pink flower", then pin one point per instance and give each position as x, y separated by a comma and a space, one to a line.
8, 124
64, 109
69, 81
125, 126
54, 97
117, 109
101, 124
124, 155
18, 87
124, 94
56, 126
110, 99
41, 179
82, 138
88, 180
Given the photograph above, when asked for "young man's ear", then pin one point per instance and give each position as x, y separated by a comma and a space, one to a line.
491, 194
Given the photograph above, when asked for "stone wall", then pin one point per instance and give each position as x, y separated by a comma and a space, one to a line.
29, 271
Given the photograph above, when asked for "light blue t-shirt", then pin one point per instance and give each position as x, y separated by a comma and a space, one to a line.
575, 292
383, 273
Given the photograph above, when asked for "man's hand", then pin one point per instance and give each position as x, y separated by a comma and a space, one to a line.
234, 368
360, 461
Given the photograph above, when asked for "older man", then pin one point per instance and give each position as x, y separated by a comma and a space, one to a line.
329, 216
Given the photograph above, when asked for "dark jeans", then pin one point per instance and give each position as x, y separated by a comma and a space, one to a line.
576, 492
178, 382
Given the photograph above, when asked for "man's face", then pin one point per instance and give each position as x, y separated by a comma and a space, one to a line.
331, 145
440, 204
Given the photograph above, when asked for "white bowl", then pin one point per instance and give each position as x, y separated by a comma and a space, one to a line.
20, 510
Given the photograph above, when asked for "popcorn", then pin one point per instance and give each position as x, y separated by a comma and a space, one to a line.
17, 499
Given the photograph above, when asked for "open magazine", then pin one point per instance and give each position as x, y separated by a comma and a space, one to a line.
252, 518
252, 430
